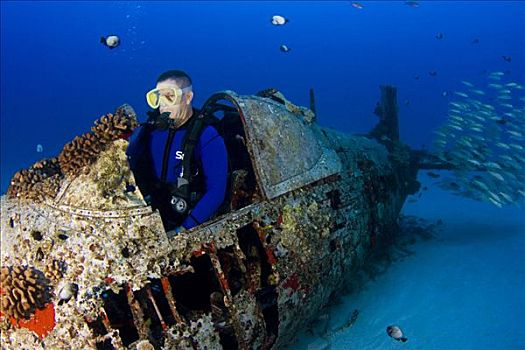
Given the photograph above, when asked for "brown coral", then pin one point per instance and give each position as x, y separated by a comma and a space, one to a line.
84, 150
41, 180
24, 289
54, 270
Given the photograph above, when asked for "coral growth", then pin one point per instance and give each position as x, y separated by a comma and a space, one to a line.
24, 289
84, 150
41, 180
54, 270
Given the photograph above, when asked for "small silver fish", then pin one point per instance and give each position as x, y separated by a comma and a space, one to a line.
507, 197
506, 157
496, 203
494, 196
457, 105
515, 133
462, 94
493, 165
481, 119
479, 92
465, 143
475, 162
480, 185
496, 175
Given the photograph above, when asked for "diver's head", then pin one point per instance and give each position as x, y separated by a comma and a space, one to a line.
173, 94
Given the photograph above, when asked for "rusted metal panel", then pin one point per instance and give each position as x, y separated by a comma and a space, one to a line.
285, 150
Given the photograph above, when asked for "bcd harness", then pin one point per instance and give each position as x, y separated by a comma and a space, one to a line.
185, 191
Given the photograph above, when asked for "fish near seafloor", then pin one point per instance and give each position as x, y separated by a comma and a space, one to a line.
396, 333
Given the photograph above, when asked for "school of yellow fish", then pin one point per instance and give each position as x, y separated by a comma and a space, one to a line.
483, 139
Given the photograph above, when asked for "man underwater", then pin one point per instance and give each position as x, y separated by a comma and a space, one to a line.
179, 161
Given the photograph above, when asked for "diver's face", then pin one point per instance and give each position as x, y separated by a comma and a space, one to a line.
179, 112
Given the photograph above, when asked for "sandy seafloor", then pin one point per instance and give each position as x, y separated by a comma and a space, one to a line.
462, 289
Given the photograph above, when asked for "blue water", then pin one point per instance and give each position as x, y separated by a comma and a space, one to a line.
463, 290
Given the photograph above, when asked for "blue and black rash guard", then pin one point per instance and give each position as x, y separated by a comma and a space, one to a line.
210, 152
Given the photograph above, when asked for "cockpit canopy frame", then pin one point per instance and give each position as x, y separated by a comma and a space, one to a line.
287, 152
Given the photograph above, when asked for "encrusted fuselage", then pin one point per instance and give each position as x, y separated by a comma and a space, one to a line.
250, 278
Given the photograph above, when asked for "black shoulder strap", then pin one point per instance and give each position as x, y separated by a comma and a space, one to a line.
189, 142
167, 148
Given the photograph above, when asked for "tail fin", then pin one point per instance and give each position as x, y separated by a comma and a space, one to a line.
312, 101
404, 340
386, 109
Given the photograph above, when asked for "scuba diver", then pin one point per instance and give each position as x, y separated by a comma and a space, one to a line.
179, 159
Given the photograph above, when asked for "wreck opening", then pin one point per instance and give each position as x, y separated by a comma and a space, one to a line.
105, 345
161, 300
99, 331
155, 312
119, 315
135, 314
232, 269
192, 290
258, 272
200, 293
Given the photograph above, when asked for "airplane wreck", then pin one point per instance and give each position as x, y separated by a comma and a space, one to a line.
86, 263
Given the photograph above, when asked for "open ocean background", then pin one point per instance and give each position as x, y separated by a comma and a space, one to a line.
463, 289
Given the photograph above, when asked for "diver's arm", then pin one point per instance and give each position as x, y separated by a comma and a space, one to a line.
215, 170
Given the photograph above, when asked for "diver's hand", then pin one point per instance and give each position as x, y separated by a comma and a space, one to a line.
175, 231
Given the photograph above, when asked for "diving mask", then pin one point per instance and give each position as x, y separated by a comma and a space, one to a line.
168, 96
